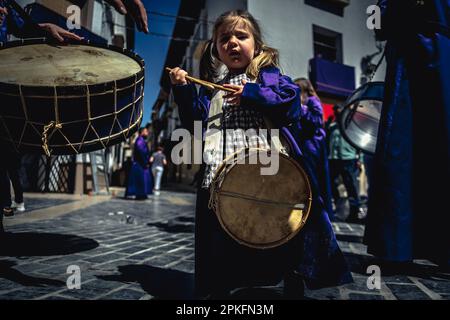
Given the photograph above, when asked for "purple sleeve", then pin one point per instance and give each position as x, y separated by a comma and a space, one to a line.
20, 28
281, 94
314, 111
275, 94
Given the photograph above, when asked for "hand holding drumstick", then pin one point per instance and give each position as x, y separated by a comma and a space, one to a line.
180, 77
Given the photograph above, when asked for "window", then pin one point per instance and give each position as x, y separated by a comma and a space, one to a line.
327, 44
332, 6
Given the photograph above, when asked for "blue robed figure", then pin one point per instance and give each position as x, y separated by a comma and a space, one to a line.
140, 180
13, 23
408, 214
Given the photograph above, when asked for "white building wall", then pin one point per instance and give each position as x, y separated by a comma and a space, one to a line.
215, 8
288, 26
106, 22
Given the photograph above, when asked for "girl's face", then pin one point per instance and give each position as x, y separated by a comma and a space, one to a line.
236, 46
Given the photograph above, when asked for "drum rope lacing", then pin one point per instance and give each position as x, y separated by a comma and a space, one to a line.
47, 131
47, 128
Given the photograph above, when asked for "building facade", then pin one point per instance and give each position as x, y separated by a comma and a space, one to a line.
327, 41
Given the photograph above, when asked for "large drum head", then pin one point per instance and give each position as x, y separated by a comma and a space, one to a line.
68, 99
50, 65
262, 211
360, 117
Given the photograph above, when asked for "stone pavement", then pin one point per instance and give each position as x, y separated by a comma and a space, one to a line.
135, 250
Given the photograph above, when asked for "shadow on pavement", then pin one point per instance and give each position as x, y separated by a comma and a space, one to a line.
9, 273
359, 263
349, 238
160, 283
43, 244
179, 224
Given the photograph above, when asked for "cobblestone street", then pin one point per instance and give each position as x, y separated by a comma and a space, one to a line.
145, 249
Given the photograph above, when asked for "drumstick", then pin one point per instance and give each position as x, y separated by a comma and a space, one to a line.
207, 84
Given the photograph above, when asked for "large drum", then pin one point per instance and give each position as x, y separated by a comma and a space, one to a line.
359, 119
260, 211
68, 99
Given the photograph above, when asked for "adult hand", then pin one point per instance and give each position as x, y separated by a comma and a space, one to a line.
59, 33
136, 9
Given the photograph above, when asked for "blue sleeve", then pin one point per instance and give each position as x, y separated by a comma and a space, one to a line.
17, 26
141, 152
191, 105
314, 114
275, 95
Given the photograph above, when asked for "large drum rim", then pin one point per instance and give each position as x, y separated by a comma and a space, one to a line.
344, 113
228, 167
32, 41
131, 128
351, 100
119, 84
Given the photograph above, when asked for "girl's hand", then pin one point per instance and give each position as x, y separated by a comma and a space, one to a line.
178, 76
235, 97
3, 14
59, 33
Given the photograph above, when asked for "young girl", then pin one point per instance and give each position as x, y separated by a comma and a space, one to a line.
221, 264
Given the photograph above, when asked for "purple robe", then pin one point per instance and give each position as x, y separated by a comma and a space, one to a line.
407, 215
16, 25
315, 148
220, 261
140, 181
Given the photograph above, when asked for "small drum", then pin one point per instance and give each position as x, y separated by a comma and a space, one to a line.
68, 99
260, 211
360, 117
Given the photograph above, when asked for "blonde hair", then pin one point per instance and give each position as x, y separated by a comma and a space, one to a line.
307, 89
265, 56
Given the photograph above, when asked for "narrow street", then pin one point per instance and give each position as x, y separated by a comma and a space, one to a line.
135, 250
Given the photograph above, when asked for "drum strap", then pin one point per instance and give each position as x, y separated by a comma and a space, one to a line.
213, 151
275, 136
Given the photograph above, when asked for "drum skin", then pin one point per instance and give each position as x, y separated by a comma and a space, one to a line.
258, 210
74, 98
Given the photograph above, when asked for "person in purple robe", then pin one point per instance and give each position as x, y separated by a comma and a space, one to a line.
314, 144
13, 22
313, 256
140, 181
407, 217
